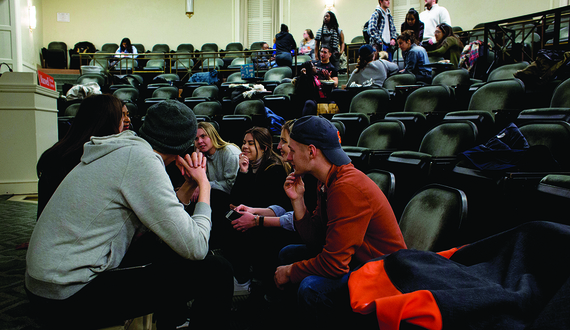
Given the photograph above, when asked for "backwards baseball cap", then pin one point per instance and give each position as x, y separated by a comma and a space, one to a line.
321, 133
365, 51
169, 127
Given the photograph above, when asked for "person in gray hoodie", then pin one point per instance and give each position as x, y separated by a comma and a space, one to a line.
115, 242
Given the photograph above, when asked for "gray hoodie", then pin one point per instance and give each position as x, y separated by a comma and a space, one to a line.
119, 188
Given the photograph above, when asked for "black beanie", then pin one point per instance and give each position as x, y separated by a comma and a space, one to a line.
169, 127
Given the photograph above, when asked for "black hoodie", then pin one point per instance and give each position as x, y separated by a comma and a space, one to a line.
284, 42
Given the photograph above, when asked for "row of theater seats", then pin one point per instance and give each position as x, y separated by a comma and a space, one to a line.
55, 55
421, 148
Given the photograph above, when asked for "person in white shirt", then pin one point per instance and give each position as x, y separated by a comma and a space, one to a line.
432, 17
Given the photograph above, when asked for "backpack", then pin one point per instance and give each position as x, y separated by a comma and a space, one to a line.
209, 77
365, 33
275, 122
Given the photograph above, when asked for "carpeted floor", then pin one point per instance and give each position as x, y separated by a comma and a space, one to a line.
17, 218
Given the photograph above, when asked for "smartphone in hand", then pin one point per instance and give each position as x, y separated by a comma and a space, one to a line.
233, 215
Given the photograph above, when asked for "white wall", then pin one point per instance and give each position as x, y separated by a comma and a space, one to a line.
143, 21
150, 22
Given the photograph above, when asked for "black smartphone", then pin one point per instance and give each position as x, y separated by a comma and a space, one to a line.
233, 215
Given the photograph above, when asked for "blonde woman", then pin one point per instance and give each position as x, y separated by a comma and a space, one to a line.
223, 157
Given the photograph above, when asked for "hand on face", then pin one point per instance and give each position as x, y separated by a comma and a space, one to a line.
243, 163
193, 167
294, 186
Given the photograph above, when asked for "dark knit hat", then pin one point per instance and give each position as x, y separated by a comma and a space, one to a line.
365, 51
169, 127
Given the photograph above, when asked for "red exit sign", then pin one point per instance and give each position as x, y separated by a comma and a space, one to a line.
46, 80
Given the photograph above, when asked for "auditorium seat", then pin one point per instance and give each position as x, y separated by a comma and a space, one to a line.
354, 124
160, 48
498, 95
429, 99
275, 76
370, 102
110, 48
91, 78
234, 47
55, 55
440, 146
127, 94
280, 101
233, 127
506, 71
185, 48
211, 92
385, 180
561, 96
140, 48
237, 62
154, 65
212, 64
432, 219
166, 92
202, 94
543, 114
213, 109
375, 144
416, 126
399, 79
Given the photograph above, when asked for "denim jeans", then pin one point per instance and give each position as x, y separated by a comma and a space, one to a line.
321, 301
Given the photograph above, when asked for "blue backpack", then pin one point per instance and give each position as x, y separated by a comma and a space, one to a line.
275, 121
209, 77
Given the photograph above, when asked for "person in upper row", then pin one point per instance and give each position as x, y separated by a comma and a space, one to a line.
126, 49
331, 36
326, 70
307, 45
413, 23
432, 17
284, 44
448, 45
381, 28
415, 57
368, 69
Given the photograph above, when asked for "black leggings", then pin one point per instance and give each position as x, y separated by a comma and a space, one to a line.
163, 287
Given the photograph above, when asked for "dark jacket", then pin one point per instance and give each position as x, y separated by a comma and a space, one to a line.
284, 42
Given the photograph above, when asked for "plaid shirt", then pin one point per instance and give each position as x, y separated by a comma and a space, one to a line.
376, 26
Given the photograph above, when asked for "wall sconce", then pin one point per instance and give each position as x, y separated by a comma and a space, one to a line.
33, 21
329, 4
189, 8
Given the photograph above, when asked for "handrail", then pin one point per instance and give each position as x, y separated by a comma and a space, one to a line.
196, 56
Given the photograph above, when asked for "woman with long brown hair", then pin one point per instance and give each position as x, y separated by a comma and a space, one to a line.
448, 44
259, 183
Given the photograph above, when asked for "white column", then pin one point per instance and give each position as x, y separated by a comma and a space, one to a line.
28, 126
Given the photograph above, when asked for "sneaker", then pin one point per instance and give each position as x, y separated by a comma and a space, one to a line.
241, 289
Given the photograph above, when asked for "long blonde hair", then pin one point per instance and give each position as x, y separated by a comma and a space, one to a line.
214, 136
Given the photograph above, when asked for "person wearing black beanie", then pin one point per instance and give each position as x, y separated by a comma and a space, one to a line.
115, 241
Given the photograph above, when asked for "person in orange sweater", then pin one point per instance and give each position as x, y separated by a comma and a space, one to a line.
352, 223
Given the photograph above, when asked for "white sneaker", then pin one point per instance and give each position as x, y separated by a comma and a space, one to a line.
241, 289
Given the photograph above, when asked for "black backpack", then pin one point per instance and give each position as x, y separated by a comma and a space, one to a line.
365, 33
